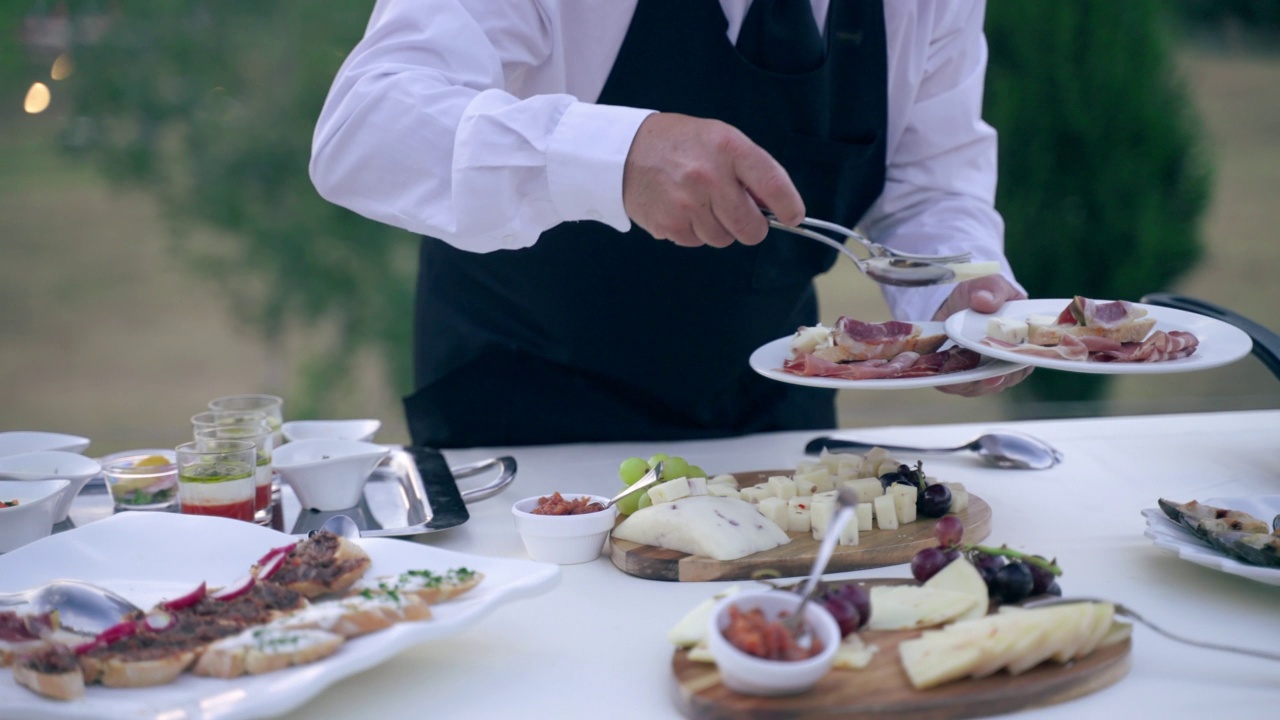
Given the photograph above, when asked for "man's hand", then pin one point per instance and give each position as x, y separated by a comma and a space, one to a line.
702, 182
986, 295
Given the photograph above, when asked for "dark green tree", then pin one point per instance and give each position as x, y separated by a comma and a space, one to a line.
211, 106
1102, 180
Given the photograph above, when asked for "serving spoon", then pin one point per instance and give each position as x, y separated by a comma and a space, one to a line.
649, 478
846, 505
1127, 612
886, 269
1009, 450
80, 605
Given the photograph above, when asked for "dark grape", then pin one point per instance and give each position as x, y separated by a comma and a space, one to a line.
896, 478
935, 501
1012, 583
1054, 589
950, 553
949, 531
1041, 579
860, 597
987, 565
927, 563
844, 612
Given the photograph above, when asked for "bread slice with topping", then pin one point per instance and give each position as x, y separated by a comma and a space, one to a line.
51, 671
265, 649
322, 564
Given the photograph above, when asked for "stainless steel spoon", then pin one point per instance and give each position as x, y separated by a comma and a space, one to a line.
1126, 612
846, 504
1008, 450
340, 525
884, 269
649, 478
81, 606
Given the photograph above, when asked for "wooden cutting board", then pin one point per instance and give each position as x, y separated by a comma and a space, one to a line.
882, 691
877, 548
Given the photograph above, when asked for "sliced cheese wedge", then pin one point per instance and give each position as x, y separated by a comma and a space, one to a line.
912, 607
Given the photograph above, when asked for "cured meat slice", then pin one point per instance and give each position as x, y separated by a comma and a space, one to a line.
1159, 346
882, 341
1070, 348
812, 366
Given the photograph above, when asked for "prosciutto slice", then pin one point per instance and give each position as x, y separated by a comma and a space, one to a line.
1159, 346
903, 365
1071, 348
860, 340
1083, 311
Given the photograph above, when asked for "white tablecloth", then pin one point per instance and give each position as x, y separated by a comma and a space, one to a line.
595, 647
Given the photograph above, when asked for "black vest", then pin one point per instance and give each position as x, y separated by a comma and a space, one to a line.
591, 335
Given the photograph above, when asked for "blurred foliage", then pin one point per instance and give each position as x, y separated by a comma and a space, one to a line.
1102, 181
211, 106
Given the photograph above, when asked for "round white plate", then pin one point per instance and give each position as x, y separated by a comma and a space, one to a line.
768, 358
1220, 343
1170, 536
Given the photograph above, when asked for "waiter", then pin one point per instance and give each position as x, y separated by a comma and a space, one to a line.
586, 176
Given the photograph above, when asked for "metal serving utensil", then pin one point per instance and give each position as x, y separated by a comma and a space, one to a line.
81, 606
1127, 612
1008, 450
649, 478
846, 504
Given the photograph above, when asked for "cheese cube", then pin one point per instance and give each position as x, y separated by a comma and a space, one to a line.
722, 490
1042, 320
887, 465
782, 486
775, 508
805, 487
904, 502
808, 466
825, 496
830, 460
798, 514
849, 536
865, 513
1007, 329
724, 479
669, 491
820, 518
873, 458
697, 486
867, 489
959, 498
819, 479
886, 512
756, 493
850, 466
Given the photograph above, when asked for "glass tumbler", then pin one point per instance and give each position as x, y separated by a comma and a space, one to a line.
216, 477
270, 405
257, 432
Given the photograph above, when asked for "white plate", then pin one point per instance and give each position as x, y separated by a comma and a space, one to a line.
768, 358
1170, 536
149, 556
1220, 343
24, 441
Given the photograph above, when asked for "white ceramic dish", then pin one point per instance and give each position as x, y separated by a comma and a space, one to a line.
51, 465
563, 539
751, 675
327, 473
1220, 343
362, 430
32, 518
1172, 537
768, 358
25, 441
148, 556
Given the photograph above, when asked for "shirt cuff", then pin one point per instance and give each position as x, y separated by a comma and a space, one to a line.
585, 161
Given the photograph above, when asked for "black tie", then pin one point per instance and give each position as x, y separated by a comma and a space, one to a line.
781, 36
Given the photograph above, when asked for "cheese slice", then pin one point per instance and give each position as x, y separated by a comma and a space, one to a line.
913, 607
961, 576
716, 527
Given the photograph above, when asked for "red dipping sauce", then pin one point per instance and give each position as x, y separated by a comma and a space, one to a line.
241, 510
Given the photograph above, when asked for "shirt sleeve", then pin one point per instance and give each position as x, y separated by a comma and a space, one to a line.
419, 132
939, 194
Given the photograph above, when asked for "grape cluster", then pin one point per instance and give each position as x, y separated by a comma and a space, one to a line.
932, 501
634, 468
1011, 576
849, 604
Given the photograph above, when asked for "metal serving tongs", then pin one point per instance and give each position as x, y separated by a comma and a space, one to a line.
885, 266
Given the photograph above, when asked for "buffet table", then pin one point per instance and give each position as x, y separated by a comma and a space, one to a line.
595, 646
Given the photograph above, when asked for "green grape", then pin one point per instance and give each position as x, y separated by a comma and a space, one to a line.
644, 501
695, 471
632, 469
630, 503
655, 459
674, 467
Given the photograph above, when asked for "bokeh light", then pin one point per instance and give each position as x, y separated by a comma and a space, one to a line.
62, 68
37, 100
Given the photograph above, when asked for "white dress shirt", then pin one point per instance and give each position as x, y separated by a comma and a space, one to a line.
474, 121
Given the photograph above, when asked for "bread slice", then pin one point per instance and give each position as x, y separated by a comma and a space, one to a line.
1132, 331
122, 671
265, 649
52, 672
324, 563
361, 614
432, 588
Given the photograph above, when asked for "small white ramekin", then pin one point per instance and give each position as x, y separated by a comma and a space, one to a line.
751, 675
563, 539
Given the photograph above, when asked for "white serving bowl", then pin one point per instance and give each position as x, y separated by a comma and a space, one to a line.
32, 518
751, 675
362, 430
563, 539
51, 465
14, 442
327, 474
